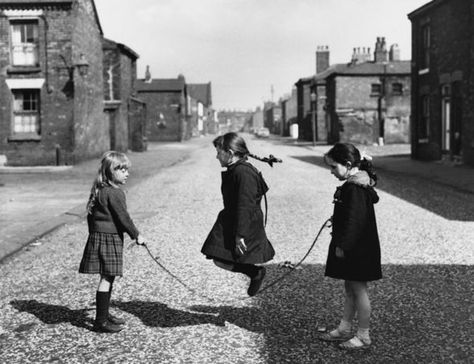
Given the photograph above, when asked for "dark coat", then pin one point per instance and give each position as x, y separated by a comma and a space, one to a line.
242, 190
354, 230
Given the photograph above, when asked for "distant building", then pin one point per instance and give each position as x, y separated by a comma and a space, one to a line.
126, 113
167, 109
443, 81
289, 113
51, 82
256, 120
202, 115
364, 101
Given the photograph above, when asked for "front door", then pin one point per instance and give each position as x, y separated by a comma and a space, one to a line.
446, 137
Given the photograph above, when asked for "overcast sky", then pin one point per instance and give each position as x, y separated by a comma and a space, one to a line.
245, 46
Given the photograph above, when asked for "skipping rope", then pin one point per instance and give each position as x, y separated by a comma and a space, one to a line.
327, 223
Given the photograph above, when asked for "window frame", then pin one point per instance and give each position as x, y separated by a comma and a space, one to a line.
376, 89
425, 48
33, 46
395, 91
34, 109
423, 128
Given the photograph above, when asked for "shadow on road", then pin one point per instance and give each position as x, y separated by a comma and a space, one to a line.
421, 192
53, 314
157, 314
420, 313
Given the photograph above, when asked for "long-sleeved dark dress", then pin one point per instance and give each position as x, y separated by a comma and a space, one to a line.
354, 230
242, 190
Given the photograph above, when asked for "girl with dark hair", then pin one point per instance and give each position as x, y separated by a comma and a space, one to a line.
354, 251
237, 241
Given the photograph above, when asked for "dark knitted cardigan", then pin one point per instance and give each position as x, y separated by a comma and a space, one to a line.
109, 214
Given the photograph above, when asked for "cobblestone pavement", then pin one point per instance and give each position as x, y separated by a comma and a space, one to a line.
422, 309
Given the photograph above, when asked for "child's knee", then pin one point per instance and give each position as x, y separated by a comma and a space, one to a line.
227, 266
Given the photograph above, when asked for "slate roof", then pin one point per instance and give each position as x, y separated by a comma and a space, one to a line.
110, 44
366, 69
38, 4
34, 2
161, 85
423, 8
200, 92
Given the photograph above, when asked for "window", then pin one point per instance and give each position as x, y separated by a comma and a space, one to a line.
24, 42
397, 88
424, 125
376, 89
26, 112
425, 47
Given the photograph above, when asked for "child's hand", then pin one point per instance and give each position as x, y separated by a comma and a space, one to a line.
240, 247
339, 252
140, 240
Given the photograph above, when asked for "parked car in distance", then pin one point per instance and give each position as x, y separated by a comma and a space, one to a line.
262, 133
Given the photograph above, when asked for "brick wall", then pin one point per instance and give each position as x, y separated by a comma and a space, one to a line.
359, 115
451, 63
73, 126
91, 127
173, 127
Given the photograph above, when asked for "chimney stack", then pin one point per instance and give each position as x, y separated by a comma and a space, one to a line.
380, 53
394, 54
147, 74
322, 58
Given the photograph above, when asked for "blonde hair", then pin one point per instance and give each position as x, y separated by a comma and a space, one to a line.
111, 162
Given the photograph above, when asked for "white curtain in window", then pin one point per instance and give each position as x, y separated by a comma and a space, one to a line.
24, 53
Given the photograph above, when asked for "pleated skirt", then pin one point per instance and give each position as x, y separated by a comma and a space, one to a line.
103, 255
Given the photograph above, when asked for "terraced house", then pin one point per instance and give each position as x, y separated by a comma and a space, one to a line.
366, 100
443, 81
51, 82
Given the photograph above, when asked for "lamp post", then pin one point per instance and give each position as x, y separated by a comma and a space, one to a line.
313, 116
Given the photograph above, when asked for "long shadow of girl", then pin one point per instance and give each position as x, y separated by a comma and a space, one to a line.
54, 314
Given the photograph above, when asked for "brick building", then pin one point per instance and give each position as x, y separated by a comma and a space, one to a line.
366, 100
168, 111
125, 112
443, 81
288, 112
51, 82
202, 115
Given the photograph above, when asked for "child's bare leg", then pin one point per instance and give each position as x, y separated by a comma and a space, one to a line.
104, 283
349, 304
362, 303
343, 331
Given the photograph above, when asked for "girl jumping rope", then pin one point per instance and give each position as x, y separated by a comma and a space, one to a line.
107, 220
354, 251
237, 241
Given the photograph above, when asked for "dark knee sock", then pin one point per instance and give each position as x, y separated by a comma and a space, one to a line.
249, 270
102, 307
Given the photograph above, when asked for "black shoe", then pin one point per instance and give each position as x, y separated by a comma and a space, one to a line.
256, 283
106, 327
115, 320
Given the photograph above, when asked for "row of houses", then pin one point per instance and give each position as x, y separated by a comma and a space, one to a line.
366, 100
67, 93
376, 97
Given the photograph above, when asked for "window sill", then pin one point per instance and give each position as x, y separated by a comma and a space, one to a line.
23, 69
424, 71
27, 137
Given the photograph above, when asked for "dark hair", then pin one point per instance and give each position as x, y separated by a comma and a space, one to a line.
345, 152
233, 141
